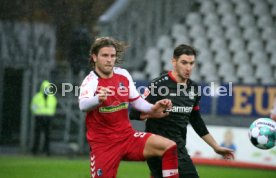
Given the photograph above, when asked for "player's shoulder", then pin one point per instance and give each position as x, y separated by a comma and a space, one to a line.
192, 83
89, 78
160, 80
121, 71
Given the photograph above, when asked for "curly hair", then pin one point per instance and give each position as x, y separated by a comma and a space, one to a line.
101, 42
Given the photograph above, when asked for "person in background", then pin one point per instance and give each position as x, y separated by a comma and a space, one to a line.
228, 140
43, 107
105, 95
273, 111
177, 86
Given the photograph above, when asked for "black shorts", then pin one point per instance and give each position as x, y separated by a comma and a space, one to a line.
186, 167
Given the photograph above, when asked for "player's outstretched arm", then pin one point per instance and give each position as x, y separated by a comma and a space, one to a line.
226, 153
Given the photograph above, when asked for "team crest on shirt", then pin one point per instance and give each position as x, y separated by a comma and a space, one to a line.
99, 172
121, 85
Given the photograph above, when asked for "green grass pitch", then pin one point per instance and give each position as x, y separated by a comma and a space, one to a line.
61, 167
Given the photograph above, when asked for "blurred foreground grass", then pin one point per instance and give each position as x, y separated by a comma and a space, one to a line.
62, 167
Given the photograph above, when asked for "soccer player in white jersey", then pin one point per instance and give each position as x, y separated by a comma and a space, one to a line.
104, 95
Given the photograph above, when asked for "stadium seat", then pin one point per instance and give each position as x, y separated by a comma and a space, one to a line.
241, 57
260, 8
215, 32
218, 44
208, 69
251, 33
226, 69
269, 33
195, 75
153, 66
152, 53
242, 7
233, 32
193, 19
230, 78
211, 19
271, 45
205, 56
267, 81
181, 40
225, 7
271, 2
236, 44
138, 75
244, 71
201, 43
197, 31
255, 45
167, 67
273, 61
211, 78
164, 41
229, 20
249, 80
258, 58
207, 6
179, 30
273, 10
247, 21
263, 71
166, 59
223, 56
167, 55
265, 21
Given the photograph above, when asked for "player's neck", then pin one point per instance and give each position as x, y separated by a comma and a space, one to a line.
102, 74
178, 79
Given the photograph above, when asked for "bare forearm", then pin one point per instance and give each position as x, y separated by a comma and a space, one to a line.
209, 139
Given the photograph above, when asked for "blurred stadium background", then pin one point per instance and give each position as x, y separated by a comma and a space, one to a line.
51, 39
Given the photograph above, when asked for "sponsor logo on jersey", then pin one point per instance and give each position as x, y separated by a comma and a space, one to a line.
181, 109
109, 109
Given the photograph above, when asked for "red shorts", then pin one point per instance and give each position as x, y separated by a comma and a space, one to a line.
105, 157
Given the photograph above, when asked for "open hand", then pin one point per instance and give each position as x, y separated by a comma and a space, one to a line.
226, 153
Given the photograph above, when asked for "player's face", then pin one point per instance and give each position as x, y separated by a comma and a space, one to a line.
105, 61
183, 66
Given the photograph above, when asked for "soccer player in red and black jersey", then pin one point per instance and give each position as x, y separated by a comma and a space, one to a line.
183, 92
105, 95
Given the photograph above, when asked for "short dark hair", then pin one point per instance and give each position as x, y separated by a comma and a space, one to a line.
101, 42
184, 49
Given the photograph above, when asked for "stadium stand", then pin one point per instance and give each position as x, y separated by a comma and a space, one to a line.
235, 38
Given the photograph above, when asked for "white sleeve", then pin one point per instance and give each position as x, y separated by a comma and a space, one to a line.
87, 98
142, 105
88, 87
133, 93
87, 104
